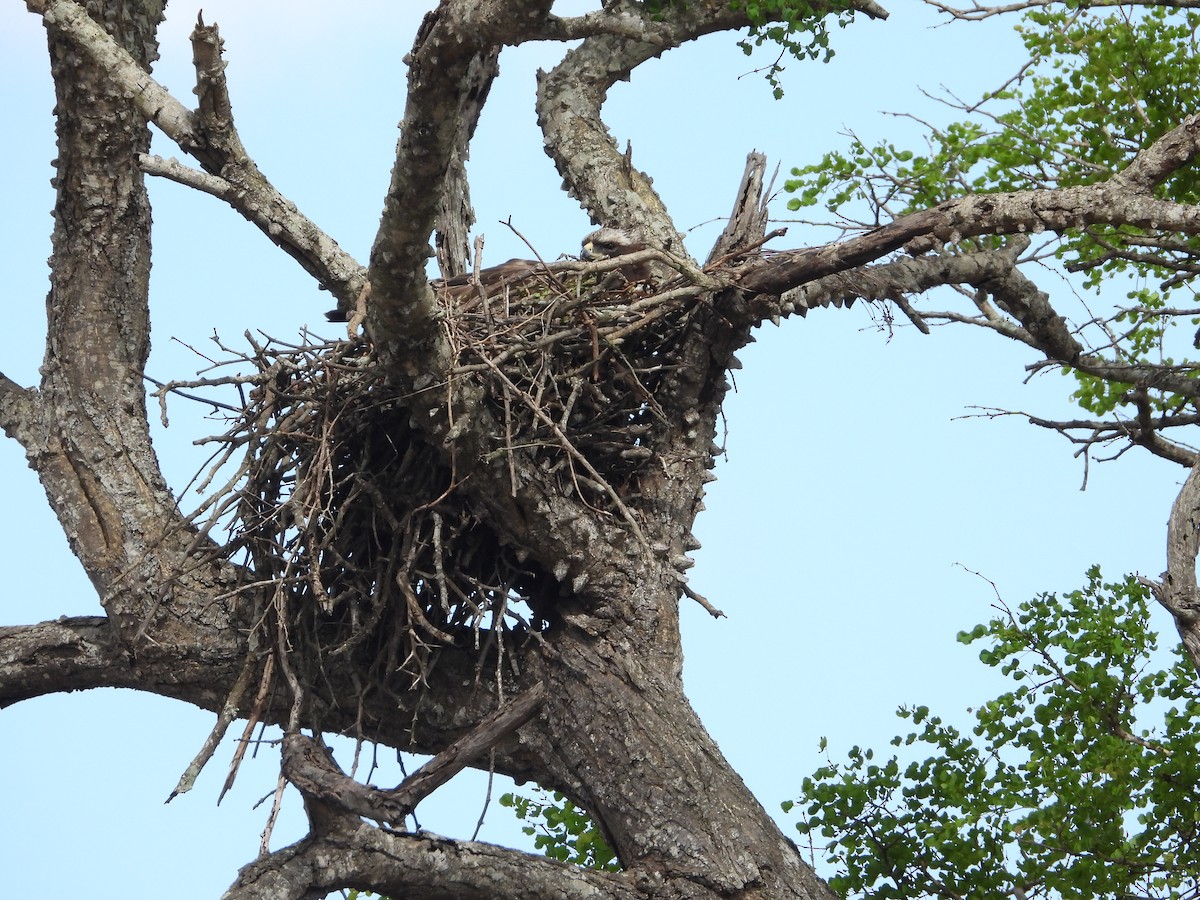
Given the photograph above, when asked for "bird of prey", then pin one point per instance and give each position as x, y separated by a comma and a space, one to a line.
609, 242
604, 243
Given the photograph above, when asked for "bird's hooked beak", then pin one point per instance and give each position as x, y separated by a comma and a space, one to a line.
588, 252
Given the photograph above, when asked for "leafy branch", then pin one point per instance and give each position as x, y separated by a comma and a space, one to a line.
1080, 782
562, 831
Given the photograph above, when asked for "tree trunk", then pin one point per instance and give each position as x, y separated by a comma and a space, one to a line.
473, 497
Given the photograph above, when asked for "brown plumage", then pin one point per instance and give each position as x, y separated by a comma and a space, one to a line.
491, 279
608, 243
604, 243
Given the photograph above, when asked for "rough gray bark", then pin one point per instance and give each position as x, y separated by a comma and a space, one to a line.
613, 729
1177, 590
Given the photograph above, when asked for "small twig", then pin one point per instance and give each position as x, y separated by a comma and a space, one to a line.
487, 797
165, 388
264, 844
228, 712
913, 316
256, 713
700, 598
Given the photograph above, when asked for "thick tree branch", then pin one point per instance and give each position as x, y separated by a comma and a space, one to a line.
419, 867
277, 217
150, 98
21, 414
570, 98
1177, 591
888, 280
65, 655
74, 654
450, 69
620, 20
84, 652
1123, 200
451, 66
1170, 153
1147, 431
1018, 296
1006, 213
1021, 298
594, 171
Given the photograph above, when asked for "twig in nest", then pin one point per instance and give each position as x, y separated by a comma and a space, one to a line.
566, 444
256, 712
228, 713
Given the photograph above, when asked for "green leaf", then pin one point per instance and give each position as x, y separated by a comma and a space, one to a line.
1051, 795
562, 831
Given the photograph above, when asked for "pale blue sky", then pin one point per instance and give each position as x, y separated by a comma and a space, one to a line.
851, 494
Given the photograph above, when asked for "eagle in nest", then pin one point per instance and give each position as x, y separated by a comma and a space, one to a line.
605, 243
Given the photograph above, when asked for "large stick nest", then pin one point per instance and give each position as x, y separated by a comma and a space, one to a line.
348, 525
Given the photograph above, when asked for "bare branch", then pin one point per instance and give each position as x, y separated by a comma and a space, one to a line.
1148, 428
456, 216
418, 866
747, 225
64, 655
570, 97
230, 710
449, 71
276, 217
150, 98
251, 193
978, 11
210, 137
1088, 433
1018, 296
902, 276
1022, 299
664, 30
308, 765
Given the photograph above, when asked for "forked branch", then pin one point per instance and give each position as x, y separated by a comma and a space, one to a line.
308, 765
209, 135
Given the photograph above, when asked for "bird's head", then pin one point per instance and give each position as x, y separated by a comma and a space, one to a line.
609, 242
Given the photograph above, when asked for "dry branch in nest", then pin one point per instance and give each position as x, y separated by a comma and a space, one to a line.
352, 536
571, 365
